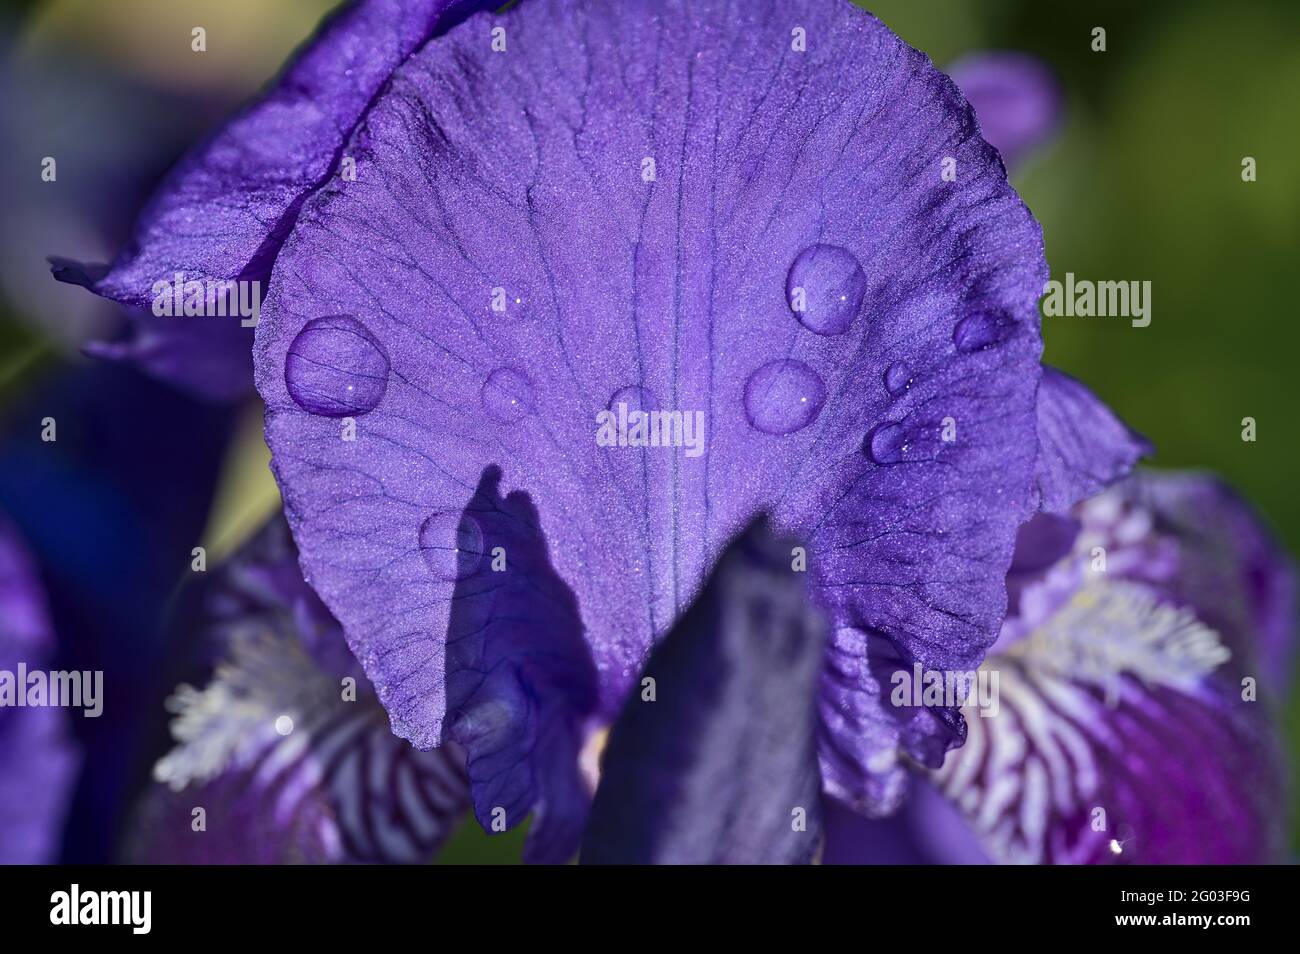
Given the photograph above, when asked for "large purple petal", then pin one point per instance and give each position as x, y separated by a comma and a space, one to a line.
1125, 729
224, 211
718, 765
38, 759
518, 179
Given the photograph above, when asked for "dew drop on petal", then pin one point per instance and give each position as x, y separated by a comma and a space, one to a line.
507, 395
335, 367
976, 332
898, 376
887, 443
451, 544
635, 397
783, 396
824, 289
284, 725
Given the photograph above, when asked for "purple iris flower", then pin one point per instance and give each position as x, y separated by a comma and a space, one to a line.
559, 301
1141, 668
38, 759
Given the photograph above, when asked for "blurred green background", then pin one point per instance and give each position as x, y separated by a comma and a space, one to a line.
1143, 182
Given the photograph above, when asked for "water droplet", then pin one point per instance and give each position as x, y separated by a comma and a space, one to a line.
635, 397
335, 367
507, 395
284, 724
887, 443
783, 396
824, 289
451, 544
898, 376
977, 331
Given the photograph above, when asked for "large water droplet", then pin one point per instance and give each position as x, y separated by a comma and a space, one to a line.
783, 395
887, 443
335, 367
977, 331
507, 395
451, 544
635, 397
824, 289
897, 377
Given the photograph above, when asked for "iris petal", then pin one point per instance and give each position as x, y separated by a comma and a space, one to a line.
1016, 99
613, 204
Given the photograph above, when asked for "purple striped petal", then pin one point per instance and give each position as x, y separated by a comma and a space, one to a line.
1126, 728
286, 750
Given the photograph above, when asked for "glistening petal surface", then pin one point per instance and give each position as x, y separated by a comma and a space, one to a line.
620, 206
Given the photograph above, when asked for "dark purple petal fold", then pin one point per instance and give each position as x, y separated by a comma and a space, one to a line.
715, 760
1083, 446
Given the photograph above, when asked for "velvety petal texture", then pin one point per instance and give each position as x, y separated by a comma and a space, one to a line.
774, 223
1134, 720
38, 759
224, 210
1016, 98
286, 750
714, 759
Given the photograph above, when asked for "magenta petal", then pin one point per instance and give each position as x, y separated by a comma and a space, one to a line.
522, 265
